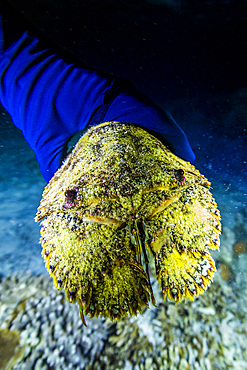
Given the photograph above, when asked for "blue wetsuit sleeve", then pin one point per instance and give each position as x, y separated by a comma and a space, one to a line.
131, 108
50, 100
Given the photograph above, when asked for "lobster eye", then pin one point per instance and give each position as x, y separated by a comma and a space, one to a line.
70, 194
179, 175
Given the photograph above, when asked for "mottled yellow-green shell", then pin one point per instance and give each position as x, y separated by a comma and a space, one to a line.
120, 198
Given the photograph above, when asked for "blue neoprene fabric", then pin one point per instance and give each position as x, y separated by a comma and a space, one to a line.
50, 100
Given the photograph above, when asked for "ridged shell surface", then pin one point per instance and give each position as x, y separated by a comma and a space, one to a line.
119, 199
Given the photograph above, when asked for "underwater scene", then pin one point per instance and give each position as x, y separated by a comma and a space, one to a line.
190, 60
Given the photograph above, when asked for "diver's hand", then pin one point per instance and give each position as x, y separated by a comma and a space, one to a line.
132, 106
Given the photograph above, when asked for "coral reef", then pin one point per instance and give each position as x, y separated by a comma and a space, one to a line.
10, 350
225, 271
240, 247
233, 257
208, 333
48, 324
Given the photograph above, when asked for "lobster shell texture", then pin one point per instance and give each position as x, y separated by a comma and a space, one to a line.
120, 199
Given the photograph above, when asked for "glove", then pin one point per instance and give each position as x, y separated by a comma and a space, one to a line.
132, 106
50, 100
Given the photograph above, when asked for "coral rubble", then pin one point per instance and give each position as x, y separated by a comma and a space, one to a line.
208, 333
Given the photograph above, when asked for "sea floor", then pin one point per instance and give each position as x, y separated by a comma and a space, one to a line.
215, 324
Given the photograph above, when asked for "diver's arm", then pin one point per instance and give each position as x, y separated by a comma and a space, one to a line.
50, 100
